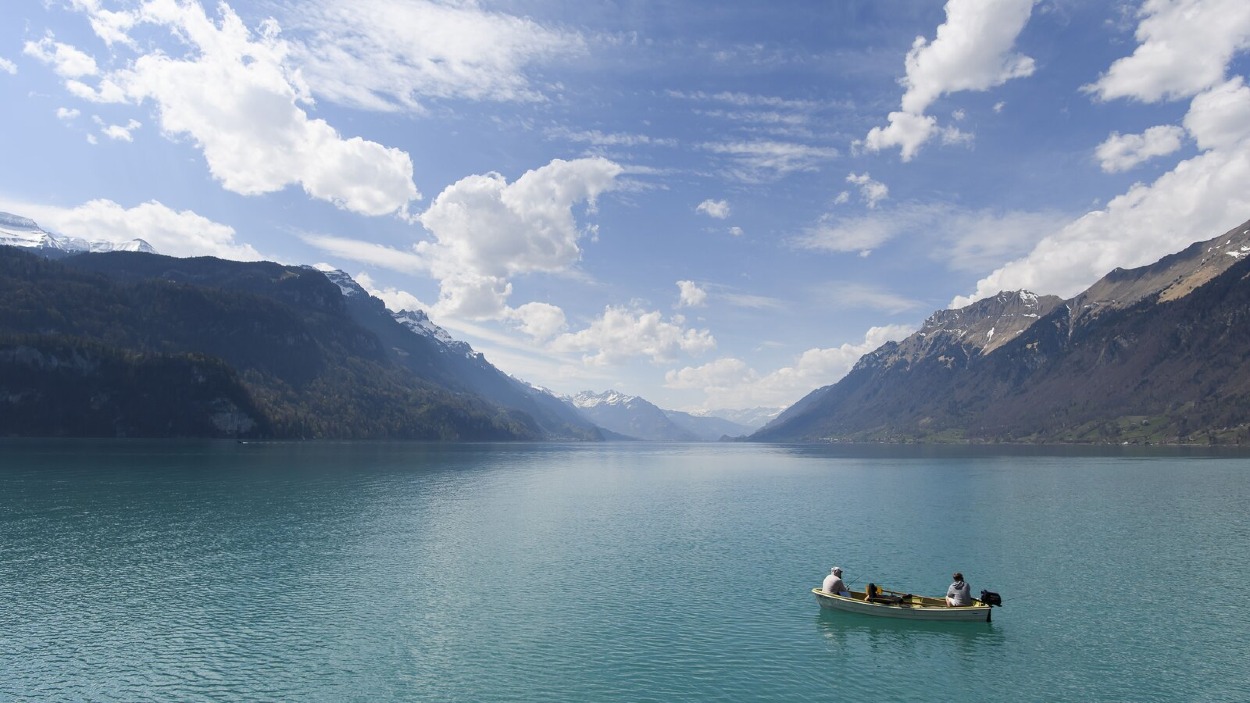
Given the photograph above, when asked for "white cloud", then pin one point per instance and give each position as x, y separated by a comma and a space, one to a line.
1198, 199
765, 160
718, 209
1220, 117
1121, 152
870, 191
119, 132
730, 383
692, 296
66, 114
235, 95
7, 66
111, 26
172, 232
487, 230
540, 321
359, 251
735, 231
67, 61
972, 51
623, 333
392, 54
846, 296
1185, 47
393, 298
857, 234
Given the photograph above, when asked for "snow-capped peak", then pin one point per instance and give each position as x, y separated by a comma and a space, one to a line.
18, 231
590, 399
346, 283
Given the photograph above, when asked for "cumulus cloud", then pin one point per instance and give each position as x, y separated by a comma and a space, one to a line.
7, 66
1220, 117
67, 114
1121, 152
972, 51
171, 232
392, 54
718, 209
623, 333
692, 296
540, 321
731, 383
870, 191
236, 96
487, 230
1184, 48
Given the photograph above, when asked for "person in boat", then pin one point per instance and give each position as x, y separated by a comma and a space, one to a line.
959, 593
833, 583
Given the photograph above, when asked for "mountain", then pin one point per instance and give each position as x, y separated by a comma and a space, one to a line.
16, 231
135, 344
707, 428
631, 416
414, 342
1153, 354
750, 418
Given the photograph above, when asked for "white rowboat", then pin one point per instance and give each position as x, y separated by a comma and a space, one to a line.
904, 605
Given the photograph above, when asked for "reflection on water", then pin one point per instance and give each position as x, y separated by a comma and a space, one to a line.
843, 631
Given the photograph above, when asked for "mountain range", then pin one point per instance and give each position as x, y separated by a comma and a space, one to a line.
1154, 354
633, 417
23, 232
99, 340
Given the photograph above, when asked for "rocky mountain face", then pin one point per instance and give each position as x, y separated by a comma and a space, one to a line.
1154, 354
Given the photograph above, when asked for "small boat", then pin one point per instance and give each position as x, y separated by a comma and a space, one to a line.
893, 604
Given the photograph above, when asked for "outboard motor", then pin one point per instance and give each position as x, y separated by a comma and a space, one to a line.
991, 598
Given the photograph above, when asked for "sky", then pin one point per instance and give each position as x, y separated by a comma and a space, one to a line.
709, 204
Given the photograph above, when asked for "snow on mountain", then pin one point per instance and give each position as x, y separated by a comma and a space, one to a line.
18, 231
420, 323
346, 283
590, 399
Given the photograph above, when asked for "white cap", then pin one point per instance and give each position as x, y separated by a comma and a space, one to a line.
836, 570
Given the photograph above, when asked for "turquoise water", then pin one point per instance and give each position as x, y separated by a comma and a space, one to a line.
133, 571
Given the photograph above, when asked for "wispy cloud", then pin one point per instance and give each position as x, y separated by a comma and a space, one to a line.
397, 54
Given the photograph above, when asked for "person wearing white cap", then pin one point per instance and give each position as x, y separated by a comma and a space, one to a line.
833, 583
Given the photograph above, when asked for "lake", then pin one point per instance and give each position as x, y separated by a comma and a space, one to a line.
198, 571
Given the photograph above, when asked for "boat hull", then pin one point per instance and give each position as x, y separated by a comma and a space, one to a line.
911, 608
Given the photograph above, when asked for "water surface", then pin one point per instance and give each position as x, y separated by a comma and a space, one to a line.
160, 571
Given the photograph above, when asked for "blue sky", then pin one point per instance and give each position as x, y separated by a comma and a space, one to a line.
709, 204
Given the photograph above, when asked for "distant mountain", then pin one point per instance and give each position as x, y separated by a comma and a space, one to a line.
750, 418
16, 231
1155, 354
631, 416
708, 428
135, 344
634, 417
